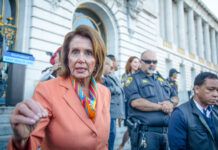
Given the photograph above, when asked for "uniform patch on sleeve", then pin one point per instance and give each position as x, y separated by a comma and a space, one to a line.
128, 81
144, 81
160, 79
176, 83
123, 77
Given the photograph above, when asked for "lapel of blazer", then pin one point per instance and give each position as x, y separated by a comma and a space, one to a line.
74, 103
197, 112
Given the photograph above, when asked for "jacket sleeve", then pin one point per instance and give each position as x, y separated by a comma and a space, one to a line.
177, 134
41, 95
112, 86
131, 89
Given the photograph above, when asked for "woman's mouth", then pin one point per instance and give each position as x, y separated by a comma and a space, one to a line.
80, 70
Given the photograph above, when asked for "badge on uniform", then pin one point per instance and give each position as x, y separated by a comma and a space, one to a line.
128, 81
160, 79
144, 81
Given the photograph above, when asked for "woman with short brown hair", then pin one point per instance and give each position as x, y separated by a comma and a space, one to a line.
71, 111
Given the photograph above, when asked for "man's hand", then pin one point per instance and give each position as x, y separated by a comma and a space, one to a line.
167, 106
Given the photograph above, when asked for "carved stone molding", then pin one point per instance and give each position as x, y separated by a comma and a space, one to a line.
118, 2
134, 7
55, 3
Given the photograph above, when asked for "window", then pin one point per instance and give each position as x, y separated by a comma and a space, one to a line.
85, 15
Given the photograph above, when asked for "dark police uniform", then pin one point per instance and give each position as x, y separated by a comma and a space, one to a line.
173, 84
148, 130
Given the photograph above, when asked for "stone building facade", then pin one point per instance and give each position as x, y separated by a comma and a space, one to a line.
183, 33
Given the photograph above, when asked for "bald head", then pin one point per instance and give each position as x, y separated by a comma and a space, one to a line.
148, 62
148, 54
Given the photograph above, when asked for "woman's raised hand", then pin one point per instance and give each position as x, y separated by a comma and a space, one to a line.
24, 119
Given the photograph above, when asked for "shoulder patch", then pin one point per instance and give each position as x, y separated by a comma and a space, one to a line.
144, 81
123, 76
160, 79
176, 83
128, 81
171, 84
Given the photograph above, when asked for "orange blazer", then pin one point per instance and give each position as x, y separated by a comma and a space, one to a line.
67, 126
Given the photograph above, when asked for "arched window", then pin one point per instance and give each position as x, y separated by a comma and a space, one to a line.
87, 16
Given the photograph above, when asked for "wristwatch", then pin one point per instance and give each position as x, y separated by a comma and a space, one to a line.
171, 100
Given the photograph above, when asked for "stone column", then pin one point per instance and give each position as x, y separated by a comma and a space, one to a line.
191, 32
181, 29
217, 48
161, 18
213, 46
199, 31
207, 49
169, 21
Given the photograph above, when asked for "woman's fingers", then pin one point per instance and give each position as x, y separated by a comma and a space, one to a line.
15, 119
44, 112
28, 112
34, 107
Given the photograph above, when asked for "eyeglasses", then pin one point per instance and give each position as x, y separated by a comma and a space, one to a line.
149, 61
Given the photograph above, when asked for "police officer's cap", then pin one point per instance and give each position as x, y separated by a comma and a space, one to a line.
172, 71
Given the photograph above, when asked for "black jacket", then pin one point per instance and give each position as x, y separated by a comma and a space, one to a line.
199, 134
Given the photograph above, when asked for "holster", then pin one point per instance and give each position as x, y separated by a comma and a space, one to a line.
133, 131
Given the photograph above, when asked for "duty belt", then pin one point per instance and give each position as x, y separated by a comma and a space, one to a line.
154, 129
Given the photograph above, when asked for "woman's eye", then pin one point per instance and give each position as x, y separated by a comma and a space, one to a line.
89, 53
75, 51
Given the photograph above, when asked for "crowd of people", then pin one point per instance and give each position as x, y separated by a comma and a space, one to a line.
81, 99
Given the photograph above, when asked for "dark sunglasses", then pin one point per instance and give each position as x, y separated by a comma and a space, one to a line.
149, 61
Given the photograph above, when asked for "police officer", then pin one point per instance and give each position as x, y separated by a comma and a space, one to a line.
173, 74
150, 101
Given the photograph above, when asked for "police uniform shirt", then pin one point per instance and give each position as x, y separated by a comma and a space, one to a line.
152, 88
173, 84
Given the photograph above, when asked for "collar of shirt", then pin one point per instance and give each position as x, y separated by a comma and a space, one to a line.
202, 109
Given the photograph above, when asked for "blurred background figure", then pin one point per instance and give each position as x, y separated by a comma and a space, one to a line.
108, 68
3, 82
117, 100
173, 74
52, 72
133, 65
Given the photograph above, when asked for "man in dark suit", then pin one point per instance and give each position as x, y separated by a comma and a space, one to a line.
194, 124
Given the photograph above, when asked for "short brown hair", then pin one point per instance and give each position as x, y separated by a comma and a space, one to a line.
98, 49
128, 64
